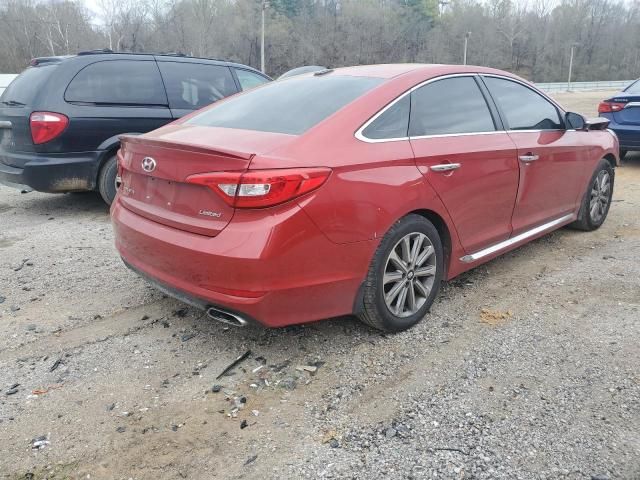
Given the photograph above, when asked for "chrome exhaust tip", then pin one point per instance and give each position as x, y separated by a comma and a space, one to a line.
226, 317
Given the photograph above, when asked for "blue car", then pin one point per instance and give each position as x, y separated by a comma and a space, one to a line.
623, 111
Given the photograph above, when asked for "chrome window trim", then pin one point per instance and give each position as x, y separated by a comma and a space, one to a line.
359, 135
530, 87
632, 104
444, 135
518, 238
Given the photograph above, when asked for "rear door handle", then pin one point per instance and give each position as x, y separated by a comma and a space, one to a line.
529, 157
445, 167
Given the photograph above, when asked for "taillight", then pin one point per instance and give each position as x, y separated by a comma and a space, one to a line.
610, 107
262, 188
45, 126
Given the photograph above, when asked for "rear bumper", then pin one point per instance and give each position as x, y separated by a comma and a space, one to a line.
628, 135
275, 267
51, 173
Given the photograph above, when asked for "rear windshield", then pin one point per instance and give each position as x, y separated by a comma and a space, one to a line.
634, 87
24, 88
290, 106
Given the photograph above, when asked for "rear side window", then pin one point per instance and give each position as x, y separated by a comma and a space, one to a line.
24, 88
290, 106
195, 85
449, 106
118, 82
523, 108
392, 124
249, 80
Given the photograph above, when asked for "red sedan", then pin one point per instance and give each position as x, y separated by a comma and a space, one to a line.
355, 190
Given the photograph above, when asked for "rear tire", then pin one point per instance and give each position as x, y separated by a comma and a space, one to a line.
623, 153
107, 180
404, 276
597, 198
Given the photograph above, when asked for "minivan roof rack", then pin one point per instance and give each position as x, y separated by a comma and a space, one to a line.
41, 60
96, 51
166, 54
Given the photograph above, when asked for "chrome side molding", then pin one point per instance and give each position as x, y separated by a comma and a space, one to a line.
518, 238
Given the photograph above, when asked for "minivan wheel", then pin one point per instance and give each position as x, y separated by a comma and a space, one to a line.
404, 276
597, 199
107, 180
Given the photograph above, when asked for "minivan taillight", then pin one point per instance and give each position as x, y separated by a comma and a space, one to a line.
45, 126
262, 188
610, 107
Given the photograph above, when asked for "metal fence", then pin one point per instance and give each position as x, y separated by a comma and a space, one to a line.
583, 86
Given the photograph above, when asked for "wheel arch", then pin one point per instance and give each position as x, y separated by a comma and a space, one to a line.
443, 230
610, 157
108, 148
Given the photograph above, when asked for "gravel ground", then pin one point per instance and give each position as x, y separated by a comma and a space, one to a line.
527, 367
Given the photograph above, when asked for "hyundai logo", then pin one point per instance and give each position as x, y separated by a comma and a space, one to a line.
148, 164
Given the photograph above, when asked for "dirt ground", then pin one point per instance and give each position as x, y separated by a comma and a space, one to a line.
527, 367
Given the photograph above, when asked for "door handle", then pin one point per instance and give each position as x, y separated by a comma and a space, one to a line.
445, 167
529, 157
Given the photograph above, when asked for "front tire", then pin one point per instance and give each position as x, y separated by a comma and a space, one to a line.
404, 276
597, 199
107, 180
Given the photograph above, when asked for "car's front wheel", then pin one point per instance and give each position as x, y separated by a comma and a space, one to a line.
404, 276
597, 199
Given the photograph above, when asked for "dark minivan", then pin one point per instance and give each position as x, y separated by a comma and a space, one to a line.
61, 118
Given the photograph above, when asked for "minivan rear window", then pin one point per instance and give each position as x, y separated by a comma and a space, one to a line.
23, 89
289, 106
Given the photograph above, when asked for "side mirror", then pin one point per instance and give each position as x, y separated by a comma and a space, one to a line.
575, 121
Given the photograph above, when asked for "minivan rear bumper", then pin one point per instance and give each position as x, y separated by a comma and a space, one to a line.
50, 173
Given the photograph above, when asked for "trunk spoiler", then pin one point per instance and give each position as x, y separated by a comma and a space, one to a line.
140, 140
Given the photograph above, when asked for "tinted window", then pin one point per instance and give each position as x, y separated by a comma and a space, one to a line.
125, 82
291, 106
249, 79
24, 88
523, 108
393, 123
449, 106
195, 85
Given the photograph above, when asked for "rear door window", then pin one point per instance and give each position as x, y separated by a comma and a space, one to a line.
194, 85
449, 106
523, 108
118, 82
249, 80
392, 124
26, 86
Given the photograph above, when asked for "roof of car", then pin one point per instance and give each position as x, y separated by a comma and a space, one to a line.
392, 70
172, 56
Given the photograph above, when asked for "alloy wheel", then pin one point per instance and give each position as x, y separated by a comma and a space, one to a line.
600, 196
409, 274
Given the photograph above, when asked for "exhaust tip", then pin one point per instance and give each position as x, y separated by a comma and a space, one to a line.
226, 317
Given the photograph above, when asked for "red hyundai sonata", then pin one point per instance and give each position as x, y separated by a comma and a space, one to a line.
355, 190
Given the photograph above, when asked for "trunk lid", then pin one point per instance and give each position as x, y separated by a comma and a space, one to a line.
162, 194
630, 114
